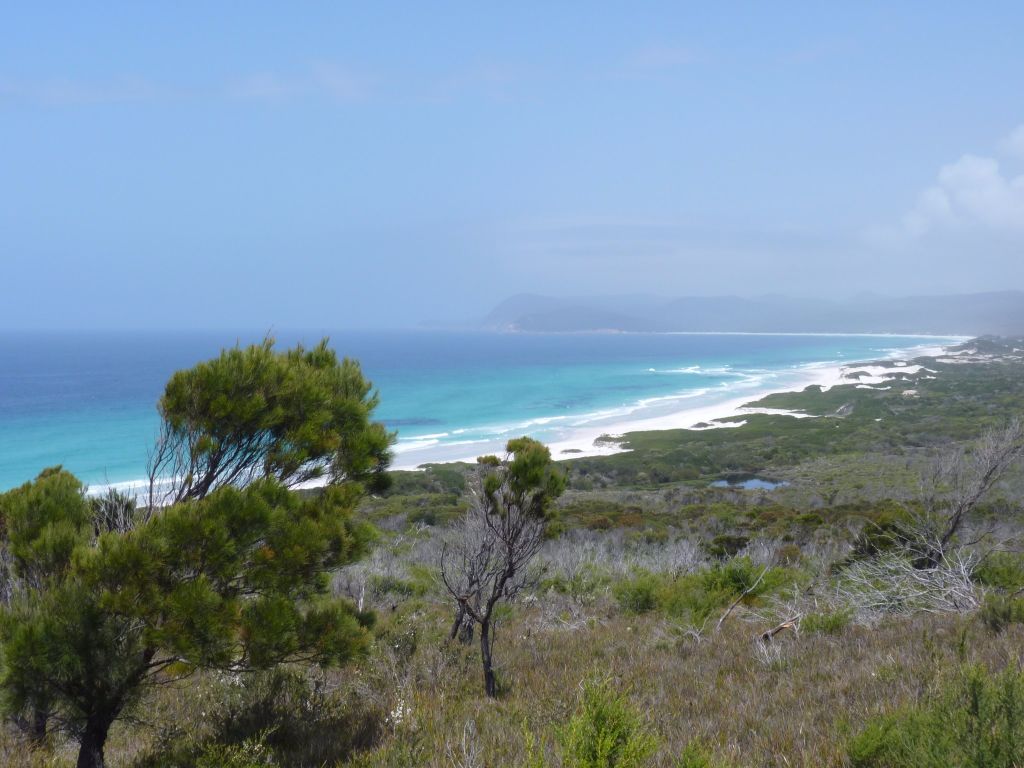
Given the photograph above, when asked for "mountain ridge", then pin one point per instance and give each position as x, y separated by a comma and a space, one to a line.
975, 314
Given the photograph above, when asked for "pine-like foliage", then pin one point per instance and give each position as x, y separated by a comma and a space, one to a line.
235, 581
254, 412
605, 731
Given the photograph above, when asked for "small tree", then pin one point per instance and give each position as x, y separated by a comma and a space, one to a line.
605, 731
254, 413
237, 581
503, 530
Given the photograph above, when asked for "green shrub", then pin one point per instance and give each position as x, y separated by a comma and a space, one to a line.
698, 755
882, 531
1000, 611
639, 594
423, 516
418, 508
738, 575
582, 587
1002, 570
384, 584
726, 545
975, 721
605, 731
903, 739
251, 753
435, 478
826, 622
695, 596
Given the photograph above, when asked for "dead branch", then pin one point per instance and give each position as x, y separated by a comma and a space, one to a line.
737, 601
793, 624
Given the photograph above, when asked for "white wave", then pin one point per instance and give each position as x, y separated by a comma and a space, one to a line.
696, 370
404, 446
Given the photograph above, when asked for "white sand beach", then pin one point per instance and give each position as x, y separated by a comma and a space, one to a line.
590, 436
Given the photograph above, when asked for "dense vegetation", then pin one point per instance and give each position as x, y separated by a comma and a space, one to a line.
650, 619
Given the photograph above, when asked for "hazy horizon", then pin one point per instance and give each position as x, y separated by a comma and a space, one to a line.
393, 166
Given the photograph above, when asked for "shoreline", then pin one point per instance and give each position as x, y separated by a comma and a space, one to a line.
605, 436
602, 433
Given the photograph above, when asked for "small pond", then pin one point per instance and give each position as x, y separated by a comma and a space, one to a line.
749, 483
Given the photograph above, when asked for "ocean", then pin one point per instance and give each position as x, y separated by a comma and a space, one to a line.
87, 401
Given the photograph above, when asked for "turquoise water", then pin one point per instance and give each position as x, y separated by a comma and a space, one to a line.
87, 400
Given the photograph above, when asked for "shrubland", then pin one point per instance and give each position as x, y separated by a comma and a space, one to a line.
657, 621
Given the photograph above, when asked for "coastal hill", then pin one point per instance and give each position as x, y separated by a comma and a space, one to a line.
968, 314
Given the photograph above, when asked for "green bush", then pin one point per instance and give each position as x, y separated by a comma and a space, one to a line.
1002, 570
418, 508
975, 721
906, 738
251, 753
698, 755
582, 587
726, 545
695, 596
418, 584
435, 478
1000, 611
639, 594
827, 622
605, 731
882, 531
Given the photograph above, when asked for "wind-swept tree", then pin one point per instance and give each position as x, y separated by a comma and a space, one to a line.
256, 413
503, 531
104, 602
236, 581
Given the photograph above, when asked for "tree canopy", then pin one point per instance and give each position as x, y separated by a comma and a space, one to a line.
254, 412
43, 521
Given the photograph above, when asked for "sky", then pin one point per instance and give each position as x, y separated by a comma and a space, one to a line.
240, 165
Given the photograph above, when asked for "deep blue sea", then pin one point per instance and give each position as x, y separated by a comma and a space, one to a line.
87, 400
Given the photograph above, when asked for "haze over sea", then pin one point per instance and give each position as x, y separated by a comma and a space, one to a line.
88, 400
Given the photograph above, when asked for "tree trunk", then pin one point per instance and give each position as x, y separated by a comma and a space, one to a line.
90, 753
460, 613
39, 721
466, 631
462, 627
490, 686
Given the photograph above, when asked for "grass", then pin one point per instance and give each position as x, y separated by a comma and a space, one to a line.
708, 697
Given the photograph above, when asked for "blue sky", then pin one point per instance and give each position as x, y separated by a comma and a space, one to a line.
341, 165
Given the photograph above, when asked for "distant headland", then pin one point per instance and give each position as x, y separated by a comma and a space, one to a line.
977, 314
